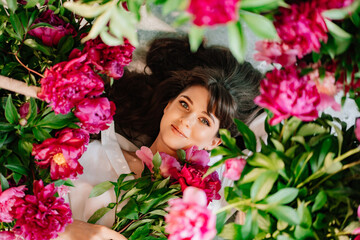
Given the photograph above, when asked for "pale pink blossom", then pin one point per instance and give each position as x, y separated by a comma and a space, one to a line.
195, 156
9, 235
8, 200
275, 52
234, 167
357, 130
63, 190
189, 218
146, 156
169, 166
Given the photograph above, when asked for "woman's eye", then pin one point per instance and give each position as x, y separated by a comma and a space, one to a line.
205, 121
184, 105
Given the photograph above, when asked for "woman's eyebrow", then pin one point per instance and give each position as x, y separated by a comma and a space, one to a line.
208, 114
189, 99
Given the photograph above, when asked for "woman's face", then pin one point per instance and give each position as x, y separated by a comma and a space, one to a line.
186, 122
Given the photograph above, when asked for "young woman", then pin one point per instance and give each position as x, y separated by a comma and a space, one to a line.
181, 100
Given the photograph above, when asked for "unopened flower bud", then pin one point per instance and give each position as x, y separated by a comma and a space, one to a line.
22, 121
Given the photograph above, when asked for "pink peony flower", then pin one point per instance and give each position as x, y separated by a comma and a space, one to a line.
42, 216
146, 156
109, 60
63, 190
275, 52
193, 176
62, 153
95, 114
189, 217
211, 12
52, 36
169, 166
234, 167
357, 132
286, 94
8, 201
68, 83
301, 27
8, 235
195, 156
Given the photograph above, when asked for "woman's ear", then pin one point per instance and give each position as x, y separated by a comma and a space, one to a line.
214, 143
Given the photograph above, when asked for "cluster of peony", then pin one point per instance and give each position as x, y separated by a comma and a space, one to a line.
40, 216
190, 173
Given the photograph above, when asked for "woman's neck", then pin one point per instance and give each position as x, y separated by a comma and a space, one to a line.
157, 146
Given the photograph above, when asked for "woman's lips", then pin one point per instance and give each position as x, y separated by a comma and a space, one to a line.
176, 130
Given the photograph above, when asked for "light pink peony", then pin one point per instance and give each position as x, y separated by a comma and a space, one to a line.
52, 36
8, 235
146, 156
8, 201
42, 216
234, 167
169, 166
195, 156
357, 131
95, 114
68, 83
275, 52
189, 217
63, 190
109, 60
62, 153
301, 27
211, 12
286, 94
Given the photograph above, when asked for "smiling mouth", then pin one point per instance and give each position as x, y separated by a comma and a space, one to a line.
177, 130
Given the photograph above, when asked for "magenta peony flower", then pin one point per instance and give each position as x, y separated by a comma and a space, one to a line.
109, 60
193, 176
301, 27
62, 153
189, 217
275, 52
211, 12
169, 166
9, 235
95, 114
42, 216
234, 167
195, 156
68, 83
357, 132
286, 94
52, 36
8, 201
146, 156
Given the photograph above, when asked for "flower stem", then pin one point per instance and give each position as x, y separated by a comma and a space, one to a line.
29, 69
347, 154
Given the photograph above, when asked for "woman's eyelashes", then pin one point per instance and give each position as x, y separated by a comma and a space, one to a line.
203, 120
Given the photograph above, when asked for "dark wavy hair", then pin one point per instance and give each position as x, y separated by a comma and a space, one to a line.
140, 98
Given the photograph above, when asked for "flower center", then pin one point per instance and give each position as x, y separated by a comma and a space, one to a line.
59, 159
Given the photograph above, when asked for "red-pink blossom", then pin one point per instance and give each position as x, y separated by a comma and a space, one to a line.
195, 156
286, 94
192, 175
275, 52
51, 36
62, 153
146, 156
42, 216
8, 201
68, 83
9, 235
95, 114
189, 217
234, 167
301, 27
169, 166
211, 12
109, 60
357, 131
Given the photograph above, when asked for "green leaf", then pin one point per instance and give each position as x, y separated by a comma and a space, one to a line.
285, 213
100, 189
57, 121
32, 111
237, 40
253, 175
4, 182
130, 210
195, 37
290, 127
138, 223
247, 134
220, 221
278, 145
66, 44
15, 22
231, 231
261, 5
12, 5
140, 232
320, 201
226, 138
311, 129
86, 10
6, 127
304, 215
99, 25
337, 31
41, 134
170, 6
11, 113
283, 196
33, 44
98, 214
31, 3
41, 24
271, 161
17, 168
110, 39
260, 25
157, 162
263, 185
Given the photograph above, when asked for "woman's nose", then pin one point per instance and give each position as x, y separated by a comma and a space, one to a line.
187, 120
